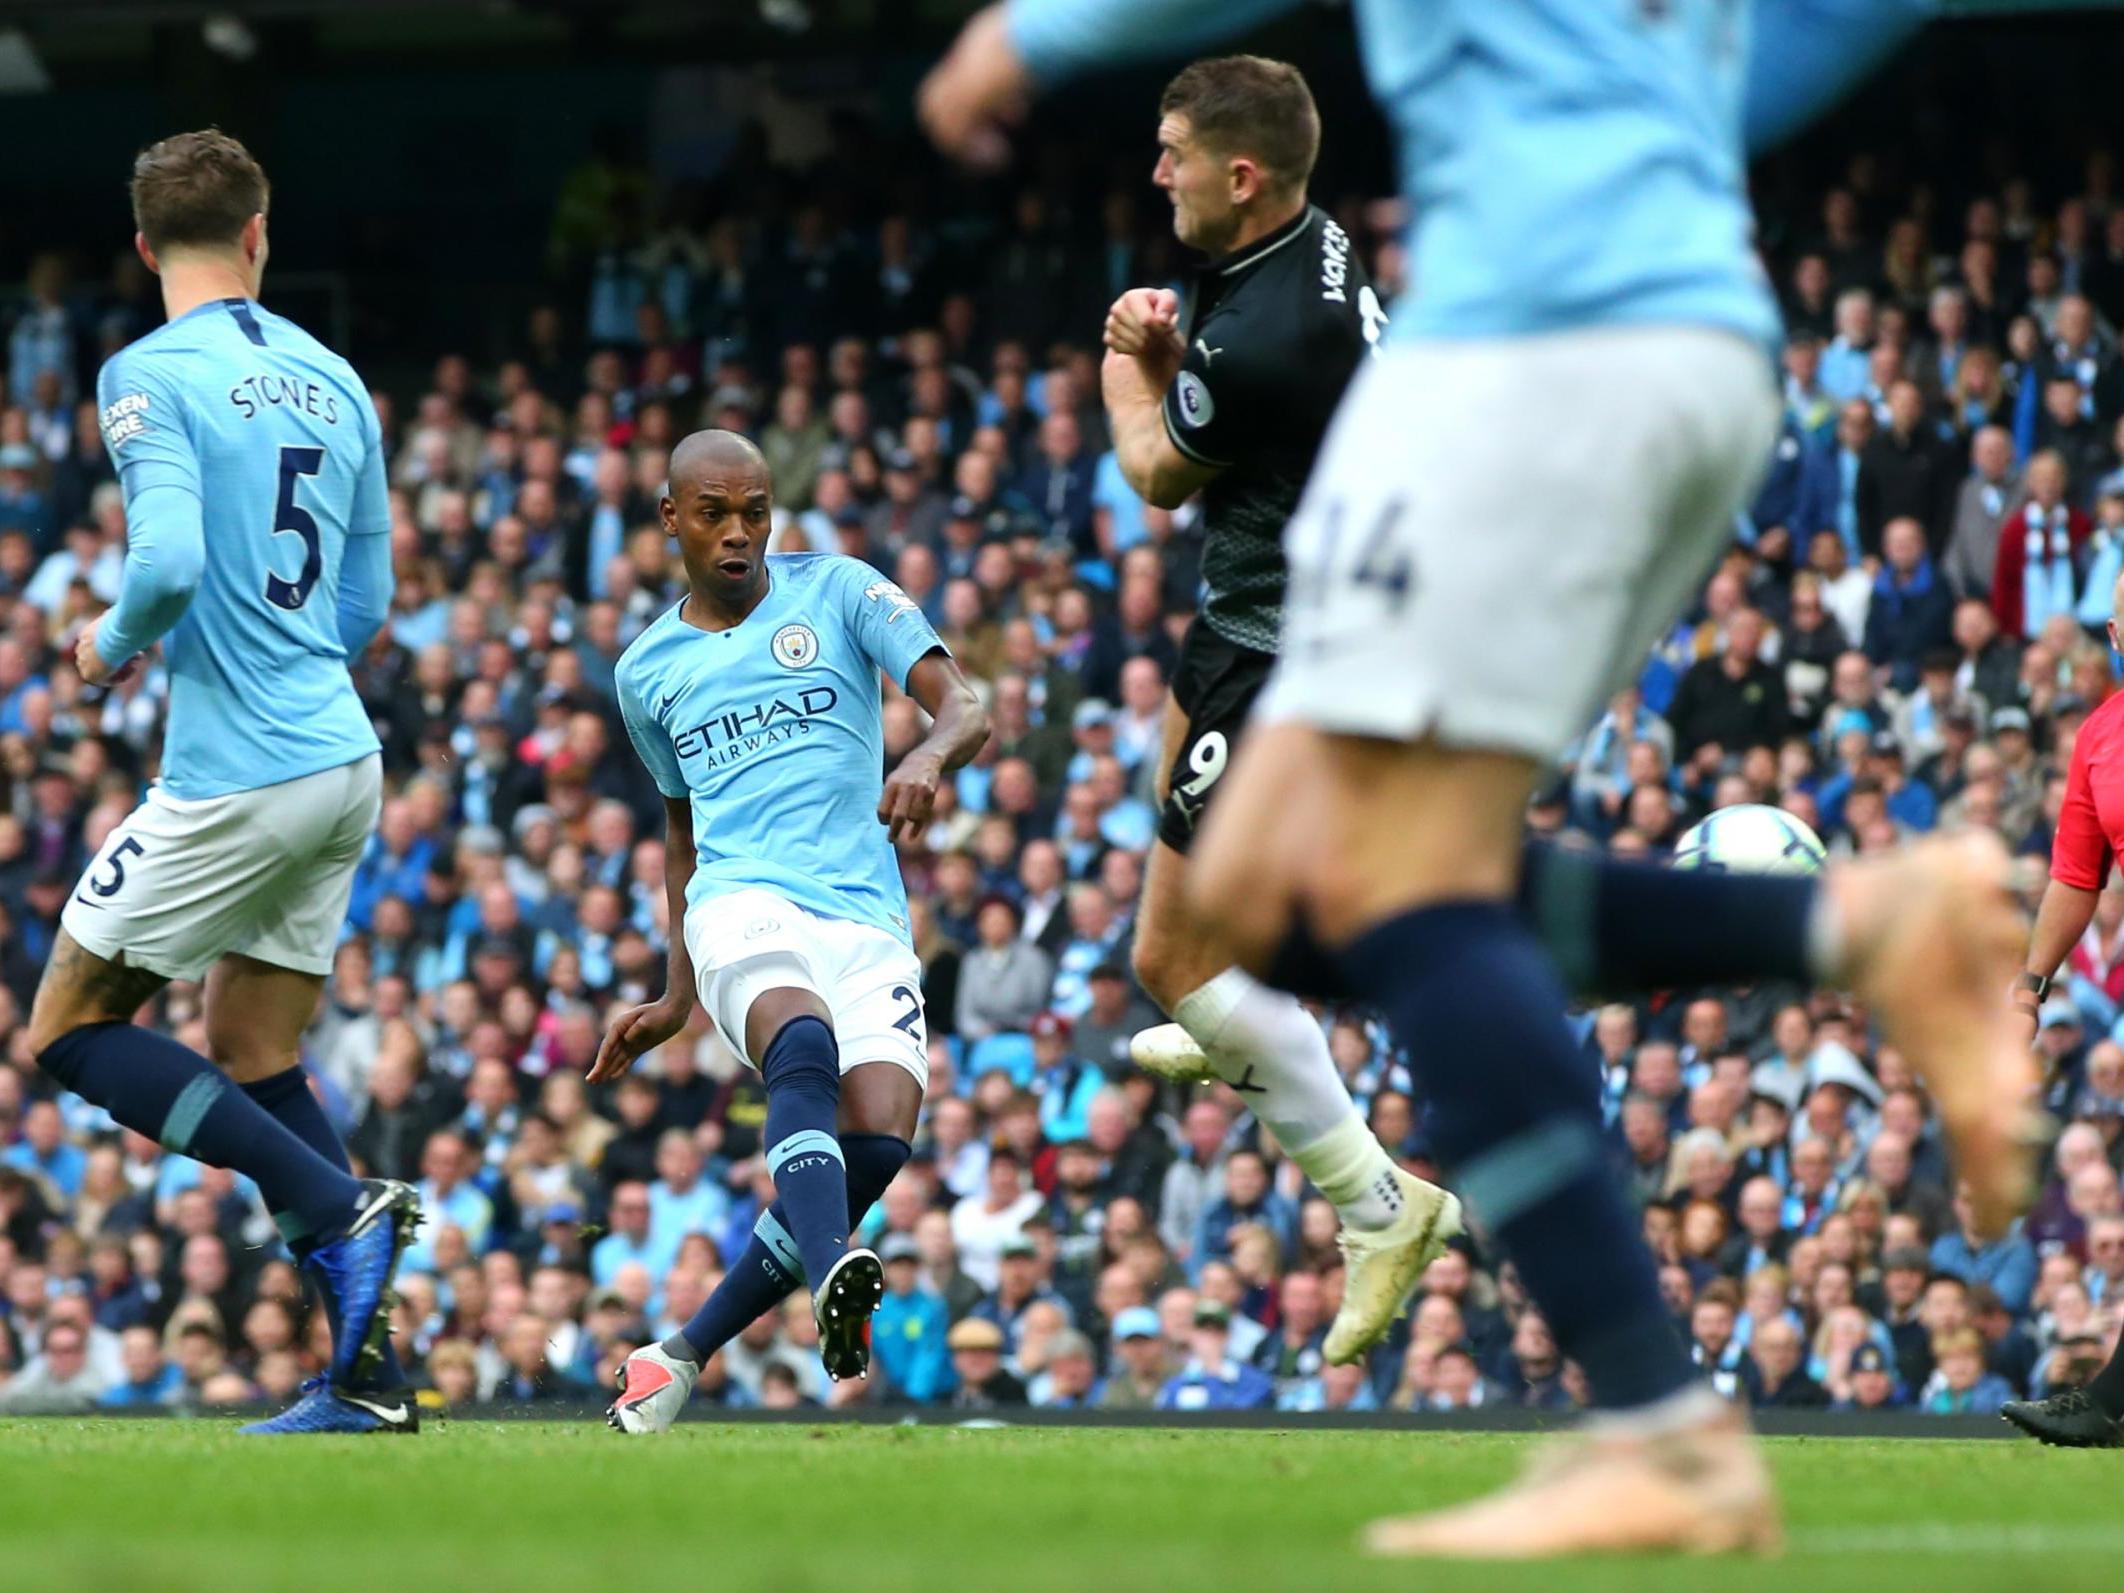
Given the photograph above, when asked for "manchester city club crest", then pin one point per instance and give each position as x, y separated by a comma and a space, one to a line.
795, 646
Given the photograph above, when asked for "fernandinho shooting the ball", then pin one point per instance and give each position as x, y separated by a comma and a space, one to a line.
755, 703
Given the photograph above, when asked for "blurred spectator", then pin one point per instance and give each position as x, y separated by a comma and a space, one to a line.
44, 1153
1070, 1377
1870, 1382
1247, 1197
631, 1242
1212, 1379
983, 1225
908, 1333
1905, 472
977, 1364
58, 1380
1988, 494
452, 1202
2036, 573
1960, 1386
1912, 612
681, 1201
1065, 1083
1139, 1371
1772, 1374
44, 343
1004, 980
1734, 701
150, 1380
2007, 1265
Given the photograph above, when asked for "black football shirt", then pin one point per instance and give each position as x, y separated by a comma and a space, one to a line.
1274, 333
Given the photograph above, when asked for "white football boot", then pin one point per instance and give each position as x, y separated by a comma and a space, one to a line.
1382, 1266
653, 1389
1170, 1052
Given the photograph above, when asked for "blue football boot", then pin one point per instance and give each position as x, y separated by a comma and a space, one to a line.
353, 1271
325, 1409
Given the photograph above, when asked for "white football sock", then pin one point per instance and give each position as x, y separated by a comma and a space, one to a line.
1267, 1047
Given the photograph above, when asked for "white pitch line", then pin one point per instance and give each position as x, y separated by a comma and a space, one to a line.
1961, 1537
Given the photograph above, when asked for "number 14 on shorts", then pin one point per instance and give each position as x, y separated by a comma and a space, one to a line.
1376, 558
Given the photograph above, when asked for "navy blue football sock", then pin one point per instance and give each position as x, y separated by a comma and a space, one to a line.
1306, 968
770, 1268
179, 1099
288, 1097
874, 1160
802, 1072
1513, 1110
1613, 925
756, 1283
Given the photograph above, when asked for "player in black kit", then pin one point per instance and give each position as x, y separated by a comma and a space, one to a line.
1228, 394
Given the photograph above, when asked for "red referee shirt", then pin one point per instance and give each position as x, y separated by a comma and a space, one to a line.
2091, 826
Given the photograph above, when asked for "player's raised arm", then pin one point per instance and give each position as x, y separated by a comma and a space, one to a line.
1005, 54
1135, 385
1807, 54
959, 725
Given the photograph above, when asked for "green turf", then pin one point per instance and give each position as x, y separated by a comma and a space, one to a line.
186, 1505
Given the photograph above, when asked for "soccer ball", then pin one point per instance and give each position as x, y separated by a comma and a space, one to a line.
1751, 839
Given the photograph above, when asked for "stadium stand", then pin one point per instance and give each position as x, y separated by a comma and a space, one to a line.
1878, 653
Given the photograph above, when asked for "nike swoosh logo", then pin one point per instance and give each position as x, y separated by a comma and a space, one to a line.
394, 1414
368, 1213
644, 1380
85, 902
665, 706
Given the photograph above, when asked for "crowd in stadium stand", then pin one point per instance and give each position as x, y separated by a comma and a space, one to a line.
1905, 637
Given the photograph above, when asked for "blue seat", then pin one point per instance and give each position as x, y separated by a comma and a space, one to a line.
1012, 1052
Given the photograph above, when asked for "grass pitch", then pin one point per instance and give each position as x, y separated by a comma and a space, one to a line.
181, 1505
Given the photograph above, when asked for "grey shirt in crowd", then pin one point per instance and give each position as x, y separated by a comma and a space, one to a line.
1002, 990
1980, 508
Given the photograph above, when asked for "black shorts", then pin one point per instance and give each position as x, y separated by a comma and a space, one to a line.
1214, 687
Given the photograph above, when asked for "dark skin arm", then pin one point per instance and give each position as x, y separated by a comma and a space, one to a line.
642, 1029
960, 727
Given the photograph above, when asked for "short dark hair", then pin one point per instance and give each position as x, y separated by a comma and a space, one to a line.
1247, 104
196, 189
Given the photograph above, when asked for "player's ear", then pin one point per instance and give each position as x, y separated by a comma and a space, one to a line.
667, 511
253, 239
1246, 181
147, 255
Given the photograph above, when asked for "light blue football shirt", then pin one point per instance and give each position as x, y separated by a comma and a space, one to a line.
774, 731
274, 435
1568, 163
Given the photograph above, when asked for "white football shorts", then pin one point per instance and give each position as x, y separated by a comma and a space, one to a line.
267, 873
749, 942
1497, 532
